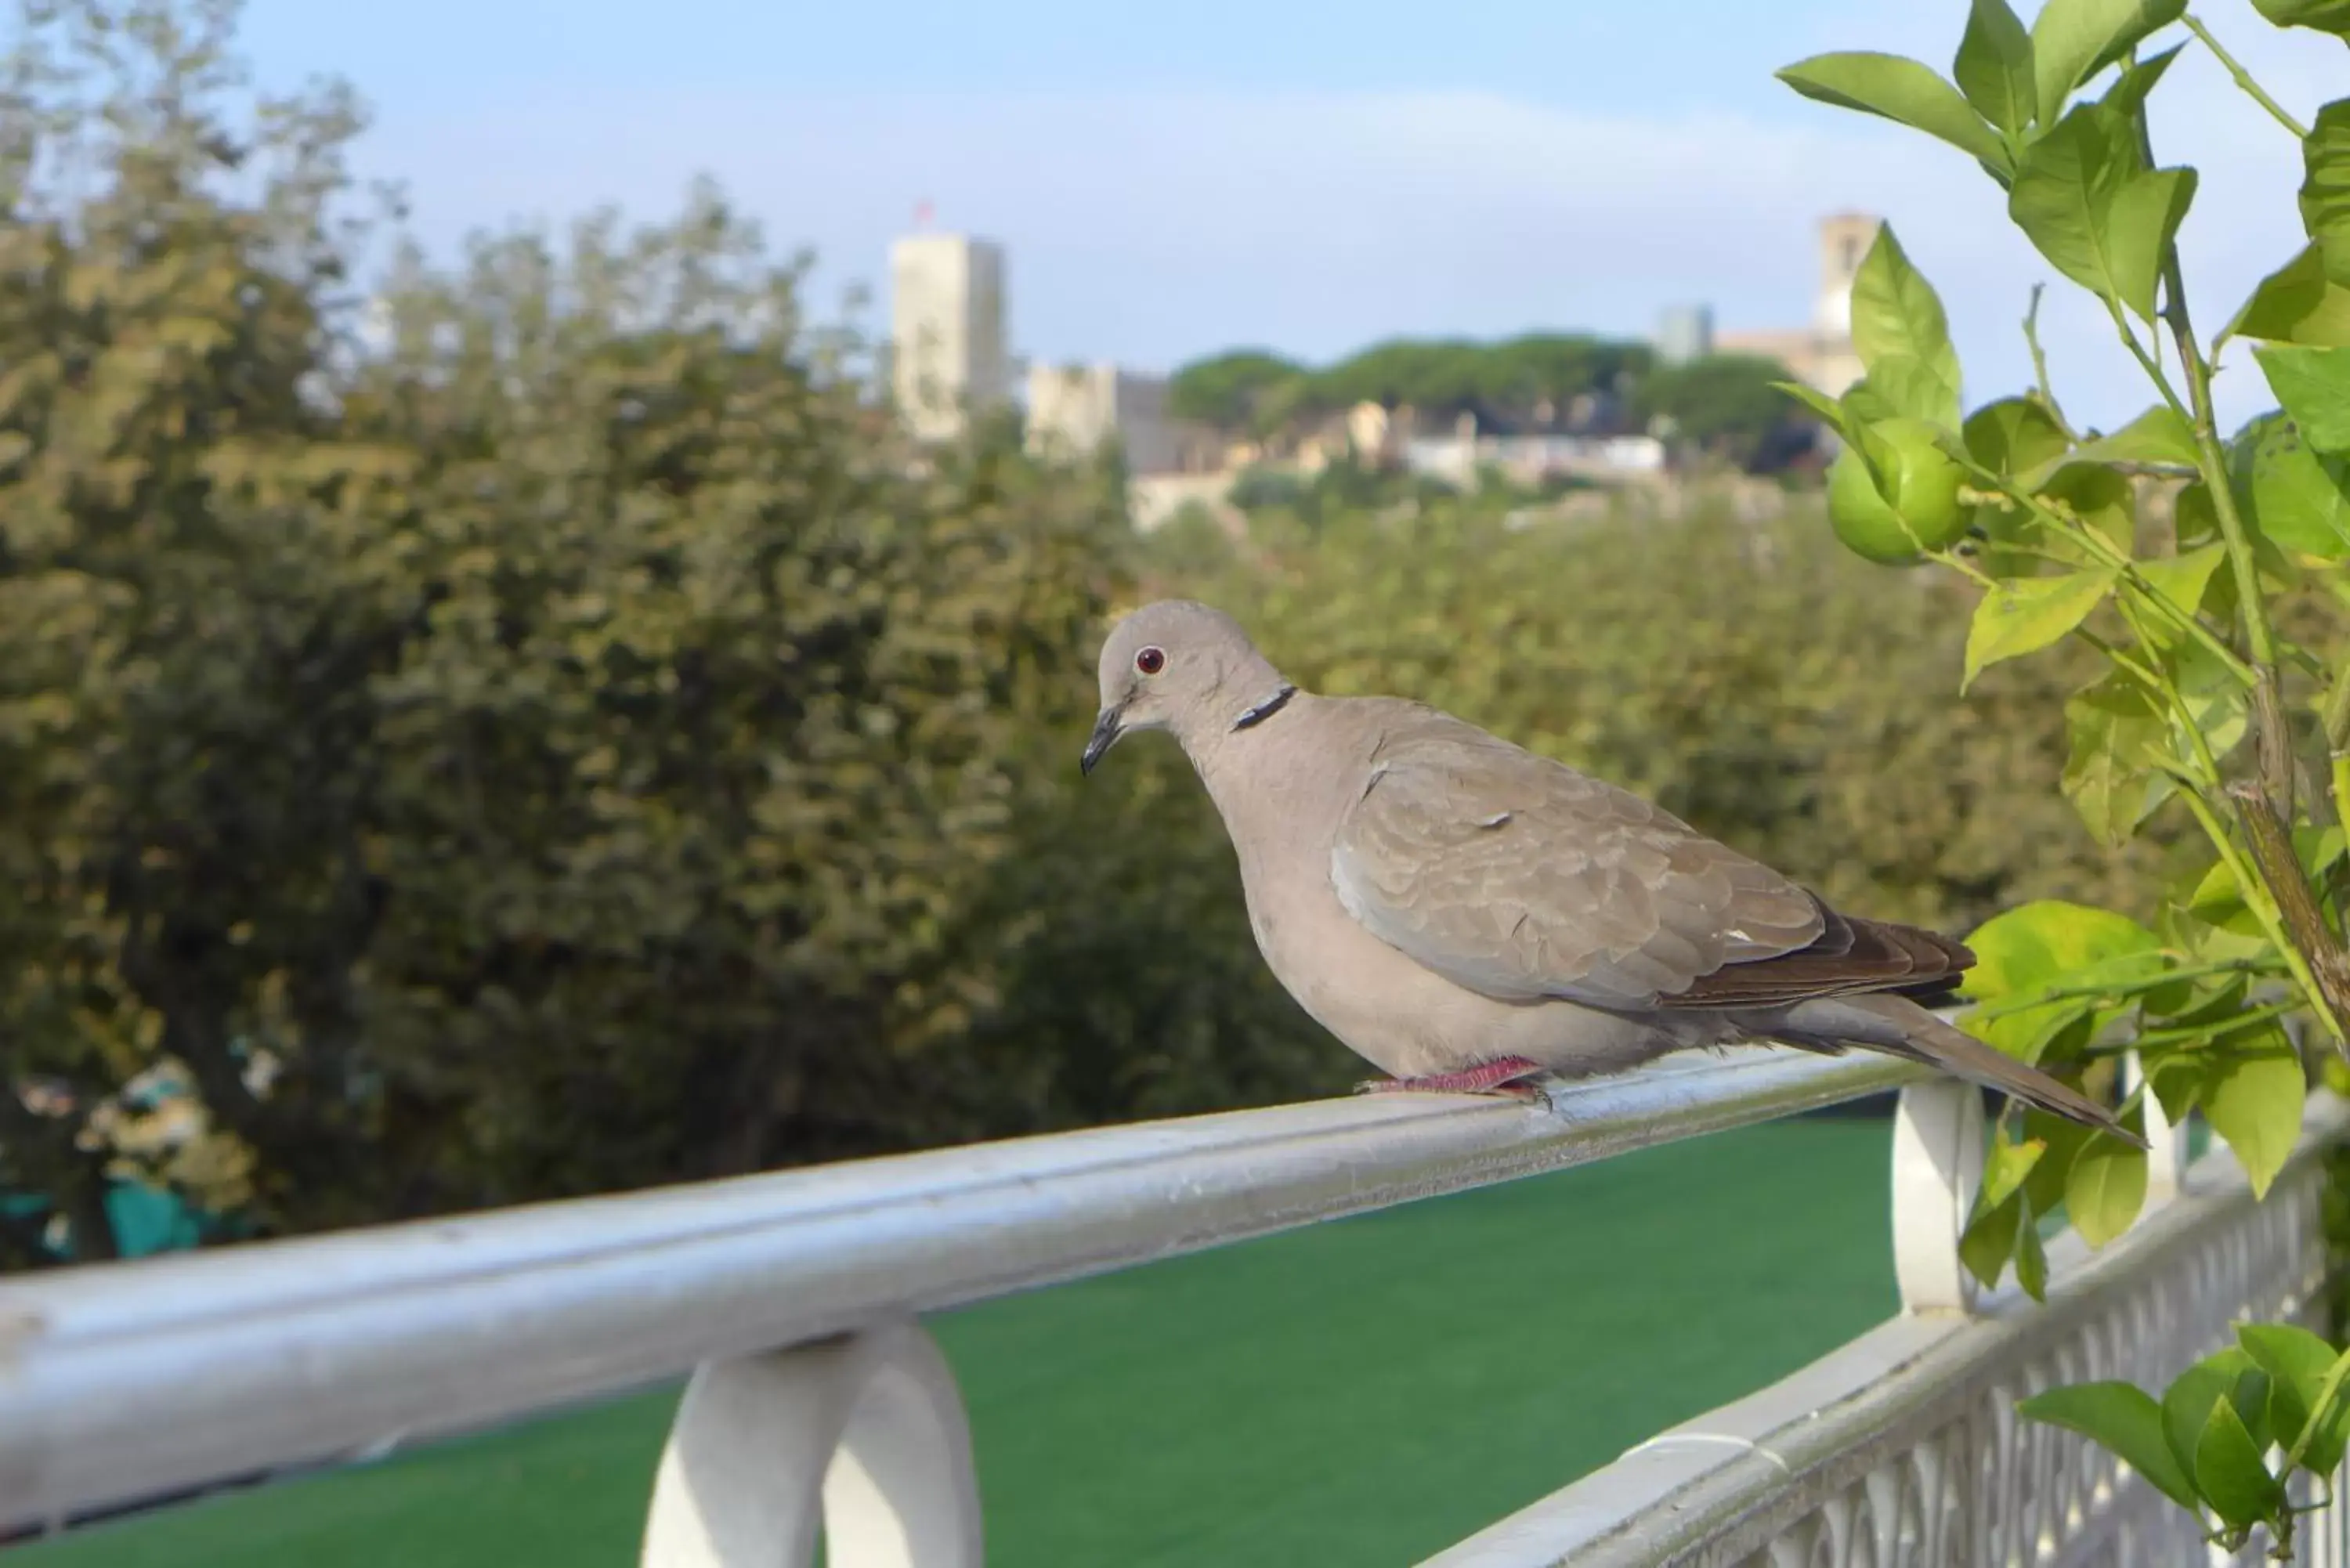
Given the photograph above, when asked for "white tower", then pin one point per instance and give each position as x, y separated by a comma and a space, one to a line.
1845, 240
948, 354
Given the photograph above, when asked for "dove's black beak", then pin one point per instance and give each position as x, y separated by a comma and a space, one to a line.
1106, 730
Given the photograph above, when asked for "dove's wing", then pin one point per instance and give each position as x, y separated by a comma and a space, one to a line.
1518, 877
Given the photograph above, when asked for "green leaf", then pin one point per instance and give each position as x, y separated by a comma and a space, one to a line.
1902, 90
2177, 1077
2230, 1472
2050, 943
2324, 15
2297, 1362
2179, 1000
2223, 1377
2182, 580
1988, 1244
2014, 436
2002, 1216
2031, 1257
2140, 227
2123, 1420
2073, 40
2254, 1095
1894, 312
2320, 848
2296, 500
2100, 498
2036, 944
2325, 188
2212, 1004
2297, 304
2216, 899
1902, 386
2106, 1189
2213, 697
2215, 904
1993, 67
2314, 385
2157, 435
2194, 522
2049, 1030
2025, 616
2006, 1167
2044, 1189
1867, 403
2117, 731
2138, 80
2085, 198
1819, 402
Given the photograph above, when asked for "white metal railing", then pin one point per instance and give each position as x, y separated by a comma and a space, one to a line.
1903, 1447
817, 1400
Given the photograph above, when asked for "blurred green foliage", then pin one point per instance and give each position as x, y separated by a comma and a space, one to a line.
538, 731
534, 727
1721, 407
1727, 408
1532, 379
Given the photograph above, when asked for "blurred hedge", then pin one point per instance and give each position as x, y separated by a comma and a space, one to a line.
538, 729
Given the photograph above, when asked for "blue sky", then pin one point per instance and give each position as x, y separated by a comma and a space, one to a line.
1173, 181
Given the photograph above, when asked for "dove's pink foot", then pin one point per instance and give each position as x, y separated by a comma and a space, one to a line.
1497, 1077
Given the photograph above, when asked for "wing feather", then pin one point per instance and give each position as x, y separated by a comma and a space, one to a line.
1519, 878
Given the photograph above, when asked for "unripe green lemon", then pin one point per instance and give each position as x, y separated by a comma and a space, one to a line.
1917, 508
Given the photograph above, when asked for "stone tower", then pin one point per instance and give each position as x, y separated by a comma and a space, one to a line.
948, 355
1844, 239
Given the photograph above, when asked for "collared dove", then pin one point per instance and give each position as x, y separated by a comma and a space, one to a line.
1466, 914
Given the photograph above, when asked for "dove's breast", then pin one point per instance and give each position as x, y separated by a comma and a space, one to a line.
1405, 1018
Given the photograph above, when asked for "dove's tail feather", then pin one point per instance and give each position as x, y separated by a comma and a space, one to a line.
1899, 1027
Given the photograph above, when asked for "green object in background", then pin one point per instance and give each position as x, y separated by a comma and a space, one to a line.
146, 1220
1359, 1393
149, 1219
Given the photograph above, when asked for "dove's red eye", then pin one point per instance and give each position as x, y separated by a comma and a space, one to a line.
1151, 660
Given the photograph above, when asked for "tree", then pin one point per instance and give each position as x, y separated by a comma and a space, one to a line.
1535, 380
1237, 392
1433, 378
169, 669
1727, 408
549, 753
1531, 379
2218, 707
1522, 376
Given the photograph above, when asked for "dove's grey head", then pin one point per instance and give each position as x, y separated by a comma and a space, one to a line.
1186, 669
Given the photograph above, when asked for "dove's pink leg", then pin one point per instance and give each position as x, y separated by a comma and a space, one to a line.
1496, 1077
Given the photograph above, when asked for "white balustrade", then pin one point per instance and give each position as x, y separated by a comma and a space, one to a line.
1938, 1164
1903, 1449
818, 1406
2166, 1162
863, 1435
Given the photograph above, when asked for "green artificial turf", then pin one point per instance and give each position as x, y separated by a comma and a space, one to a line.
1359, 1393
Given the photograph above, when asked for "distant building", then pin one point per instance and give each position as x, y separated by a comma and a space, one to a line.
1370, 434
1685, 333
1821, 355
1073, 410
1153, 500
1457, 460
949, 358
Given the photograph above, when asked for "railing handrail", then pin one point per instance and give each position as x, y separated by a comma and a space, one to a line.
132, 1380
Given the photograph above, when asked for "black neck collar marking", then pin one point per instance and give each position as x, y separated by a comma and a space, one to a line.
1264, 710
